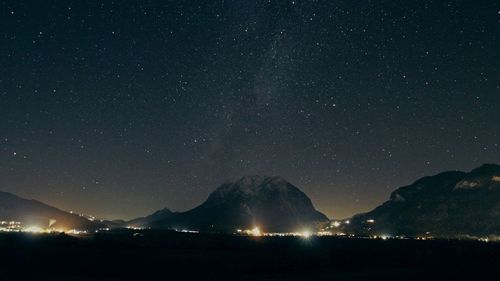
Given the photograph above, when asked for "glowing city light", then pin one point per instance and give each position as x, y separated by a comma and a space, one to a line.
135, 227
34, 229
306, 234
256, 232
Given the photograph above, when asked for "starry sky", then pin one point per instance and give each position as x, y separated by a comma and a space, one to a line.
120, 108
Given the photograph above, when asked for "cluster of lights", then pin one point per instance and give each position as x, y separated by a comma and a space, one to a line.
76, 232
9, 223
15, 226
250, 232
338, 224
10, 226
326, 233
135, 227
88, 217
303, 234
40, 230
372, 237
306, 234
256, 232
188, 231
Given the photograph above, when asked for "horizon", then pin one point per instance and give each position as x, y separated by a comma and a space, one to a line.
233, 180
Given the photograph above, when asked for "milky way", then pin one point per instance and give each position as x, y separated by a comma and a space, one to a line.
119, 108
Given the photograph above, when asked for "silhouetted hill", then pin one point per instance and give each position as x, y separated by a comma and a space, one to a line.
144, 221
448, 204
270, 203
114, 223
35, 213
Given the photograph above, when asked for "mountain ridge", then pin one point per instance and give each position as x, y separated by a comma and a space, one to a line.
452, 203
37, 213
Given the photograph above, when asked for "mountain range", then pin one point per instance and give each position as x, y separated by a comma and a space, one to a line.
36, 213
449, 204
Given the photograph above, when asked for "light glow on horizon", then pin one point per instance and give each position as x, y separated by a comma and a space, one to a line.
256, 232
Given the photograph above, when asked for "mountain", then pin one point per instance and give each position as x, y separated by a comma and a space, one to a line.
144, 221
35, 213
114, 223
270, 203
449, 204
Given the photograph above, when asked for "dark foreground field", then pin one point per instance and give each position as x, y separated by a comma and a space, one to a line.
178, 256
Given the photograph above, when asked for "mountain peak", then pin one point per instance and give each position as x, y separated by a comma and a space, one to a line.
257, 180
163, 211
254, 186
272, 203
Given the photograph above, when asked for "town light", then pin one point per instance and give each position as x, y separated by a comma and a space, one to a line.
256, 232
34, 229
306, 234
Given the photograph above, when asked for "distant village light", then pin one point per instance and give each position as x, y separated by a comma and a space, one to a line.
306, 234
34, 229
256, 232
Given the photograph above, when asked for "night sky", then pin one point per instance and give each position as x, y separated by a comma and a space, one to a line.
120, 108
